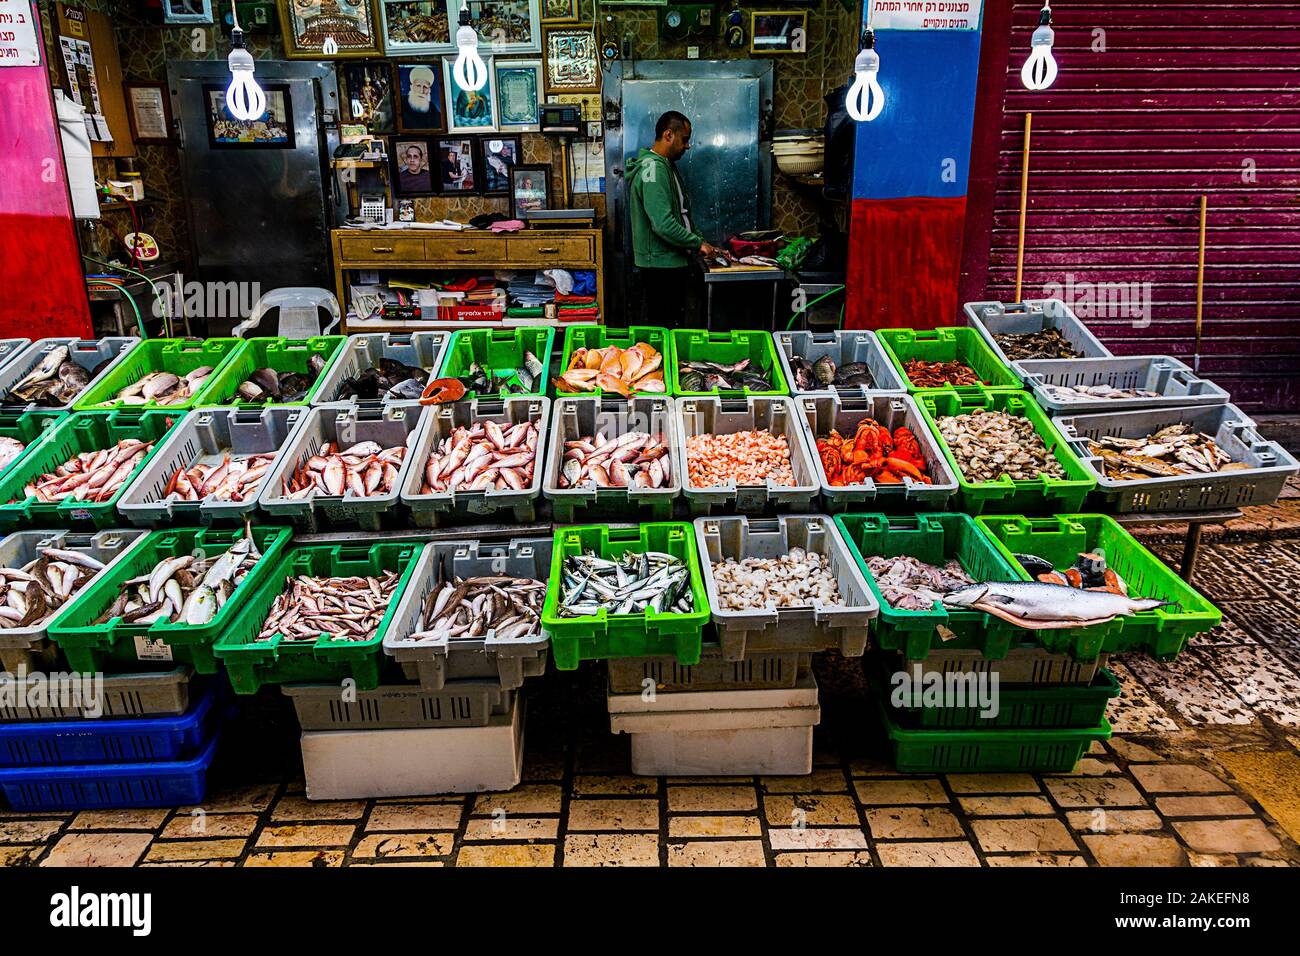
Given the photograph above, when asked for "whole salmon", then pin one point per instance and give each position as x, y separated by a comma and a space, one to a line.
1042, 606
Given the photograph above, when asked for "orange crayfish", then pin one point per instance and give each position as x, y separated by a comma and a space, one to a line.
874, 454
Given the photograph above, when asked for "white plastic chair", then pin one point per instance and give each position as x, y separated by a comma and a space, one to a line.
299, 312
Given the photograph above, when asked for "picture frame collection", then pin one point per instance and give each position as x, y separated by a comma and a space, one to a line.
455, 164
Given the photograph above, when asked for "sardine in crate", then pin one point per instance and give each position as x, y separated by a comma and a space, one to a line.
90, 354
991, 319
360, 352
345, 426
575, 417
429, 510
436, 662
844, 347
811, 628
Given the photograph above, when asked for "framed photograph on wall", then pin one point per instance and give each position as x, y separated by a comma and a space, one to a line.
470, 111
308, 25
571, 59
499, 155
504, 26
419, 101
148, 111
415, 166
530, 189
559, 11
369, 96
519, 89
418, 27
778, 31
272, 130
456, 166
187, 11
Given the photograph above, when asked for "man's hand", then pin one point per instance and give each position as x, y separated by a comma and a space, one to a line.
708, 251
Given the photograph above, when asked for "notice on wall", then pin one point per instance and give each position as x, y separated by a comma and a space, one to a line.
18, 46
926, 14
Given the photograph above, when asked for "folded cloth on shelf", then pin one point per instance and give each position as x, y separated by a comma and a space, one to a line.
562, 279
507, 225
584, 282
575, 299
487, 220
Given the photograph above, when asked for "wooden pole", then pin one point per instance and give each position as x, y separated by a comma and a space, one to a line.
1200, 288
1024, 201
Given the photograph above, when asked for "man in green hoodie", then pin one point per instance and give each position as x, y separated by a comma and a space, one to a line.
663, 236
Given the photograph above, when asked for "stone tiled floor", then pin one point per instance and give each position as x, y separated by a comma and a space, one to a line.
1203, 770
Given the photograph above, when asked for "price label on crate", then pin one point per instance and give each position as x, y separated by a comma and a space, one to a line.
152, 649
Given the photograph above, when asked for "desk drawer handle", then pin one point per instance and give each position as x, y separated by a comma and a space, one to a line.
466, 252
551, 250
379, 249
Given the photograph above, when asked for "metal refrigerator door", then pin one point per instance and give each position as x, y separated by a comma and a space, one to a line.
257, 215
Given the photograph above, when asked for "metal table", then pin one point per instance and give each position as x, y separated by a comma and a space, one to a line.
713, 276
1195, 521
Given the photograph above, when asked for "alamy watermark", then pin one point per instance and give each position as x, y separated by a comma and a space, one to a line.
61, 691
916, 687
206, 300
1104, 300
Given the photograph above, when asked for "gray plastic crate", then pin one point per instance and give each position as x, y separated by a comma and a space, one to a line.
345, 425
438, 663
1232, 431
10, 349
843, 346
151, 694
1175, 382
826, 411
1022, 665
363, 351
574, 417
398, 706
29, 647
205, 436
841, 627
85, 352
723, 416
756, 671
432, 510
1033, 315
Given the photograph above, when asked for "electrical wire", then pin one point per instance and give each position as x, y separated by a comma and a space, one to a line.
158, 297
105, 284
808, 305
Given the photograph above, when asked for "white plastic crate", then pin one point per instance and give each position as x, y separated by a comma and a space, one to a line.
365, 350
88, 353
844, 346
1032, 315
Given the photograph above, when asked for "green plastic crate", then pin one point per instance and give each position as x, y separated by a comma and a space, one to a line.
77, 433
281, 354
498, 349
1043, 495
1034, 706
178, 356
997, 750
119, 647
251, 663
951, 344
603, 635
727, 348
29, 428
1162, 632
933, 538
600, 336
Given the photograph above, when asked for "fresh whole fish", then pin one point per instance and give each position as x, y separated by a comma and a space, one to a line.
1045, 344
989, 444
1173, 450
1039, 606
363, 470
337, 608
823, 373
268, 385
711, 376
163, 388
613, 369
233, 478
797, 579
1088, 571
33, 593
745, 457
10, 449
485, 457
54, 382
632, 460
496, 606
92, 476
910, 584
925, 374
1085, 393
636, 583
505, 381
389, 379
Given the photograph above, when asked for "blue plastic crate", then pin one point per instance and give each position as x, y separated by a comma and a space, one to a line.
63, 742
110, 786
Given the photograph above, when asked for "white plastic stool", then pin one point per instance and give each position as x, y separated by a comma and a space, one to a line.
299, 312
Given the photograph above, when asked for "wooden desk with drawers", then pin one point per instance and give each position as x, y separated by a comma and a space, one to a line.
404, 250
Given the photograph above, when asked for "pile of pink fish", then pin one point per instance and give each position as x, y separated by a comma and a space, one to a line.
486, 457
94, 476
232, 479
631, 460
363, 470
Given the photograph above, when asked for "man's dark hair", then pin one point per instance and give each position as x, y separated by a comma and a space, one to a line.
672, 120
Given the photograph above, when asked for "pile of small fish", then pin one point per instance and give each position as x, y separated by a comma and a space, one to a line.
746, 457
502, 381
909, 584
989, 444
711, 376
873, 453
10, 449
798, 579
268, 385
94, 476
1039, 606
54, 382
924, 374
344, 609
612, 369
1085, 393
471, 607
635, 583
1174, 450
632, 460
1045, 344
163, 388
810, 376
1089, 571
234, 478
184, 589
32, 594
390, 379
485, 457
363, 470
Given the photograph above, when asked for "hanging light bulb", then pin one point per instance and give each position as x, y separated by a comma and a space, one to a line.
244, 98
1039, 71
469, 70
330, 47
866, 99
